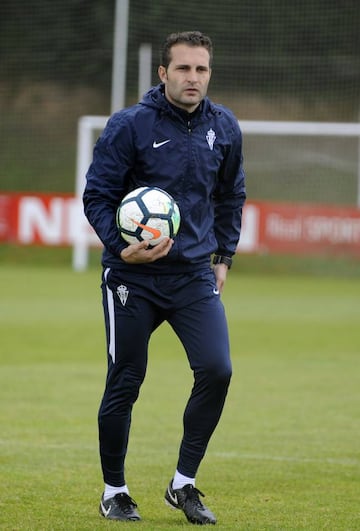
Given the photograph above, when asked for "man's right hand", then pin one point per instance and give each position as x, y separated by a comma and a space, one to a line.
142, 252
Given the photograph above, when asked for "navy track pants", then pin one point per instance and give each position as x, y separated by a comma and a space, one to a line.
134, 306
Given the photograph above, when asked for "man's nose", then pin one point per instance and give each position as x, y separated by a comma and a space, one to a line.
192, 75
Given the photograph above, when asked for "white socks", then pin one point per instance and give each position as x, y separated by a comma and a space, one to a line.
180, 481
110, 491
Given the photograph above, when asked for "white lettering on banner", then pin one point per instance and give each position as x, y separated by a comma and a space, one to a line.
36, 219
280, 228
60, 222
78, 227
334, 230
249, 239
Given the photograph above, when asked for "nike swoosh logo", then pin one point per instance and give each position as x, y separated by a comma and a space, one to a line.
156, 233
216, 291
159, 144
173, 497
105, 511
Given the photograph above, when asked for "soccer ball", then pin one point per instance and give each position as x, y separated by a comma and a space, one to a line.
147, 213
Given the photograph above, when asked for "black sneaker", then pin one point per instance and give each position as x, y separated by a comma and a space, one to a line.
187, 499
120, 507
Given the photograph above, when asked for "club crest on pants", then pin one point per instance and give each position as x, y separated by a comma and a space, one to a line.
123, 293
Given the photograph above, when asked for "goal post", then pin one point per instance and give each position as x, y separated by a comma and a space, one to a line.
89, 125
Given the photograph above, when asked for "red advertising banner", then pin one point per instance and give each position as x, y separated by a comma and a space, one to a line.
8, 217
44, 219
302, 229
268, 227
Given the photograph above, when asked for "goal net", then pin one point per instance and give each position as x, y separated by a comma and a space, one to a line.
312, 162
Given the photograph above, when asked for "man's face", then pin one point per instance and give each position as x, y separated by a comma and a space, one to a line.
187, 76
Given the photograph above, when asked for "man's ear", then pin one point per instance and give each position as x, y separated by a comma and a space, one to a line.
162, 73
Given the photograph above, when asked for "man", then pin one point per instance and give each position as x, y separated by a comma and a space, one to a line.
178, 140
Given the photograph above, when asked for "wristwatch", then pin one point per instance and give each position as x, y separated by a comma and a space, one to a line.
218, 259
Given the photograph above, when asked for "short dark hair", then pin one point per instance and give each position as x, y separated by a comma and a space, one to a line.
190, 38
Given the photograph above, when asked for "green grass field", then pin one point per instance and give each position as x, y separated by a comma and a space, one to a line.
286, 452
